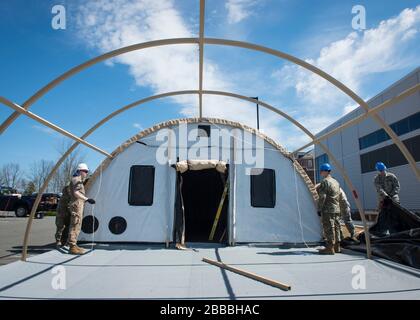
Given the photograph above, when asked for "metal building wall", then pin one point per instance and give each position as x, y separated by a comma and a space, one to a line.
345, 145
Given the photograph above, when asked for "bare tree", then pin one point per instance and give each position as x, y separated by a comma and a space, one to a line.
39, 171
67, 168
11, 175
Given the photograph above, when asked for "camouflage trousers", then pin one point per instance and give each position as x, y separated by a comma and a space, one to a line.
346, 216
331, 227
76, 215
62, 222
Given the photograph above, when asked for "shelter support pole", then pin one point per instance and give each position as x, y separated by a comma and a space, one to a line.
170, 157
232, 192
87, 64
50, 125
250, 275
225, 42
362, 117
201, 57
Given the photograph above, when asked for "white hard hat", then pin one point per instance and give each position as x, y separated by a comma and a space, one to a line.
82, 166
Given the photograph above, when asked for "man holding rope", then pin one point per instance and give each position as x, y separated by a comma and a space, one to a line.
76, 206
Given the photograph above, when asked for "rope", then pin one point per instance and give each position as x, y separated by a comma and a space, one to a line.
298, 209
93, 208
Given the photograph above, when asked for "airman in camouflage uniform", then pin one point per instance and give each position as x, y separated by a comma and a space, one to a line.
346, 214
329, 207
62, 218
386, 184
76, 206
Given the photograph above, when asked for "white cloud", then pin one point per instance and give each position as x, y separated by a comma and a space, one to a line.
138, 126
350, 107
107, 25
387, 47
47, 130
239, 10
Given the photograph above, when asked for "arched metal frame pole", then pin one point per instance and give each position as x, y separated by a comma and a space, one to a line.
201, 58
333, 81
224, 42
48, 87
342, 171
354, 121
210, 92
71, 149
201, 41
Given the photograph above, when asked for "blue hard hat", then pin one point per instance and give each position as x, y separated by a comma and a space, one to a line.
380, 166
325, 167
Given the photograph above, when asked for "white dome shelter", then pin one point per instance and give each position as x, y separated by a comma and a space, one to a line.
234, 220
139, 191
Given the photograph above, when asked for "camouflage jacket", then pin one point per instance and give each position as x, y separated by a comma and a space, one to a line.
344, 203
329, 194
387, 185
64, 201
77, 190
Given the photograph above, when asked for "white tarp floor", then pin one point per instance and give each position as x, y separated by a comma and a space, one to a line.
153, 272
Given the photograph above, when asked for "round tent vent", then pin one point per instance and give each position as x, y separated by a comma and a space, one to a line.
90, 224
117, 225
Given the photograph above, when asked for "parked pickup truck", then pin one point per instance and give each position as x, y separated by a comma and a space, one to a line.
22, 205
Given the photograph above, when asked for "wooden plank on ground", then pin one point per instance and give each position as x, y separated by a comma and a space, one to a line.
250, 275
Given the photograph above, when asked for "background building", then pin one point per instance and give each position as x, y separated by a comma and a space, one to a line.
359, 147
306, 160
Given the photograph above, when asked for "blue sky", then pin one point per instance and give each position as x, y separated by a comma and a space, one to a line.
318, 31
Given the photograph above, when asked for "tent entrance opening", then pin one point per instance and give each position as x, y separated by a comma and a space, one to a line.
201, 193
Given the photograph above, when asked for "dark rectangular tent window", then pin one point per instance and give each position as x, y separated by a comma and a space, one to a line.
263, 188
203, 130
141, 187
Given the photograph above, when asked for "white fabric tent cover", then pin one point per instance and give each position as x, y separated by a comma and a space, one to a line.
176, 122
292, 220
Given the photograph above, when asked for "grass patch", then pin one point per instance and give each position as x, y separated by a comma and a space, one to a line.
50, 214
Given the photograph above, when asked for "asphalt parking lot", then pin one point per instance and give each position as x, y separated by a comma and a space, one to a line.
12, 230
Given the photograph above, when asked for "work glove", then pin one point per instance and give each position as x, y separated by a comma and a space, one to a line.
383, 193
387, 201
91, 201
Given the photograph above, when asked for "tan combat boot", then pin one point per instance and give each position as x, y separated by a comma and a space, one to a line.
329, 249
180, 246
76, 250
337, 247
